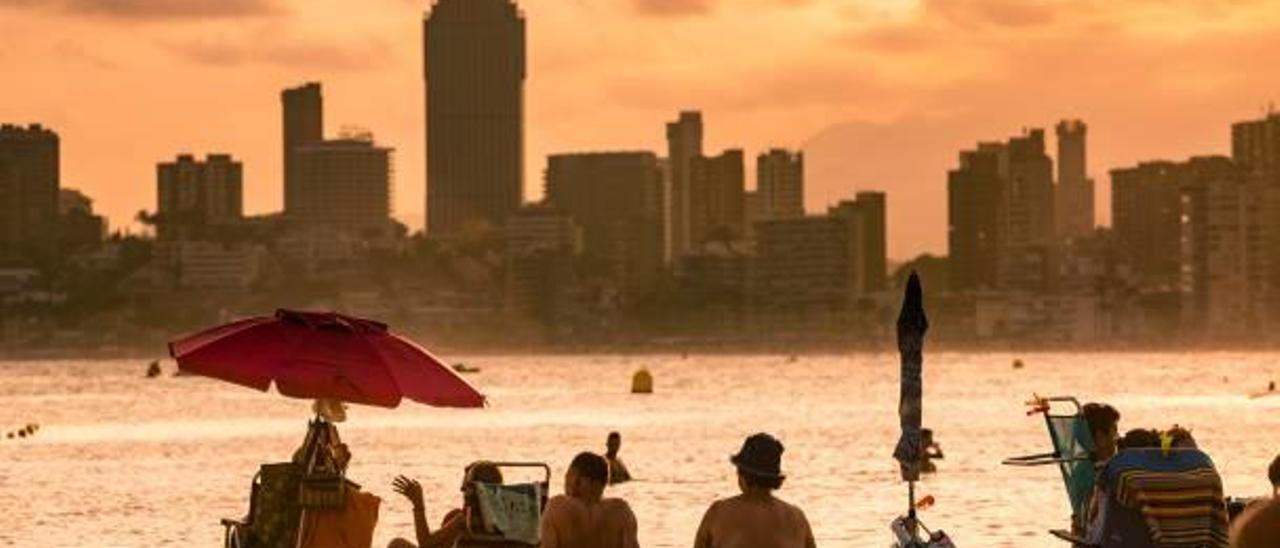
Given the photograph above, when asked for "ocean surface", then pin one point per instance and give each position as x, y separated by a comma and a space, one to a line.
121, 460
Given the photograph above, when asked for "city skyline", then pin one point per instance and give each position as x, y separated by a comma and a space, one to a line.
867, 106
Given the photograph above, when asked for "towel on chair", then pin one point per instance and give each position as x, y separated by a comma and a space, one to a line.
514, 511
1179, 496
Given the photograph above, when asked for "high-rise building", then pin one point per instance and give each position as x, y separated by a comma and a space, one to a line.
29, 182
1001, 215
475, 70
716, 197
975, 218
809, 273
780, 184
1074, 198
78, 226
1223, 239
345, 186
867, 213
616, 197
684, 143
1255, 145
192, 195
303, 125
1145, 219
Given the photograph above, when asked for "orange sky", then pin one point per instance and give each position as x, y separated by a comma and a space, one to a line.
881, 93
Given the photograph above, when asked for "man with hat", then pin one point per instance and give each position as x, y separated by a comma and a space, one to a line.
755, 519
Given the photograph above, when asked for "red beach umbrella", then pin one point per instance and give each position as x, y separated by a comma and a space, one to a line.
323, 355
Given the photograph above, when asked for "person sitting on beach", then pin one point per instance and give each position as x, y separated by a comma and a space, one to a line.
931, 451
1104, 422
1104, 427
454, 524
1140, 438
617, 470
755, 518
582, 517
1259, 525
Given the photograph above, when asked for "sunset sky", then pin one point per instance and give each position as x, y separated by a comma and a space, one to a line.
881, 93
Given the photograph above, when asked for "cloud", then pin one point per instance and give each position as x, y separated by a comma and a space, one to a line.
674, 8
270, 49
142, 10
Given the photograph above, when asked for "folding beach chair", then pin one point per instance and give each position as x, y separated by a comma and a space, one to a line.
1072, 450
508, 514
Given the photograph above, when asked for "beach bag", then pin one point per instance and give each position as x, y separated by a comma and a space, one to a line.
323, 490
274, 509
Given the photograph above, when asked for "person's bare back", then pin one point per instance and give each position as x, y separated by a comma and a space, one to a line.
569, 522
754, 521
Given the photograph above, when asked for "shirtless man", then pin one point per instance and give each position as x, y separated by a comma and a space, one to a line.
755, 519
581, 518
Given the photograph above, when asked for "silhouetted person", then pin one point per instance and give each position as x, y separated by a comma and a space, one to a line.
153, 370
755, 518
582, 517
617, 470
454, 524
1140, 438
1259, 525
1104, 428
932, 451
1104, 422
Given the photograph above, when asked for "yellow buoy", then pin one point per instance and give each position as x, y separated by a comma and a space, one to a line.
642, 382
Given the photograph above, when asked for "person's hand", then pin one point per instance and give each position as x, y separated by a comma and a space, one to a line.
410, 488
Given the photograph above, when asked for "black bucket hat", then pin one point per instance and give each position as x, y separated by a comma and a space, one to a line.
761, 456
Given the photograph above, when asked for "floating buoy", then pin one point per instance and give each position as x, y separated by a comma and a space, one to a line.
642, 382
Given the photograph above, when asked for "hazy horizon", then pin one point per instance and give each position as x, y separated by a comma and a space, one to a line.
881, 94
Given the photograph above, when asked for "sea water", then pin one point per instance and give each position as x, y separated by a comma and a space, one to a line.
121, 460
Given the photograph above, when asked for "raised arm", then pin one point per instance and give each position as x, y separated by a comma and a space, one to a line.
449, 531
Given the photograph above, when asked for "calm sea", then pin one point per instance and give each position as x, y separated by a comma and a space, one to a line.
125, 461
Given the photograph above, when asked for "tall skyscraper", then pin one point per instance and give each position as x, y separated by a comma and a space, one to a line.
475, 70
1223, 261
29, 182
1074, 192
1145, 217
975, 218
780, 184
716, 197
191, 194
867, 215
303, 125
684, 143
616, 197
345, 186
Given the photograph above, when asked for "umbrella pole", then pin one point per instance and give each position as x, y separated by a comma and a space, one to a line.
911, 512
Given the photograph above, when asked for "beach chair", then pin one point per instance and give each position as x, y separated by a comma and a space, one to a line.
1073, 449
508, 514
274, 513
1168, 498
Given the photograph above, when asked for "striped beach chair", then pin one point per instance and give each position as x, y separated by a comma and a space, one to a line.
1163, 498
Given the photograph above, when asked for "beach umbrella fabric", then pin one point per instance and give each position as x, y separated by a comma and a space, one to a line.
326, 355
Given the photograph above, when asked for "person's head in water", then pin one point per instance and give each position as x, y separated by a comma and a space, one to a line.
1104, 423
1140, 438
483, 472
586, 477
613, 444
1274, 474
759, 464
